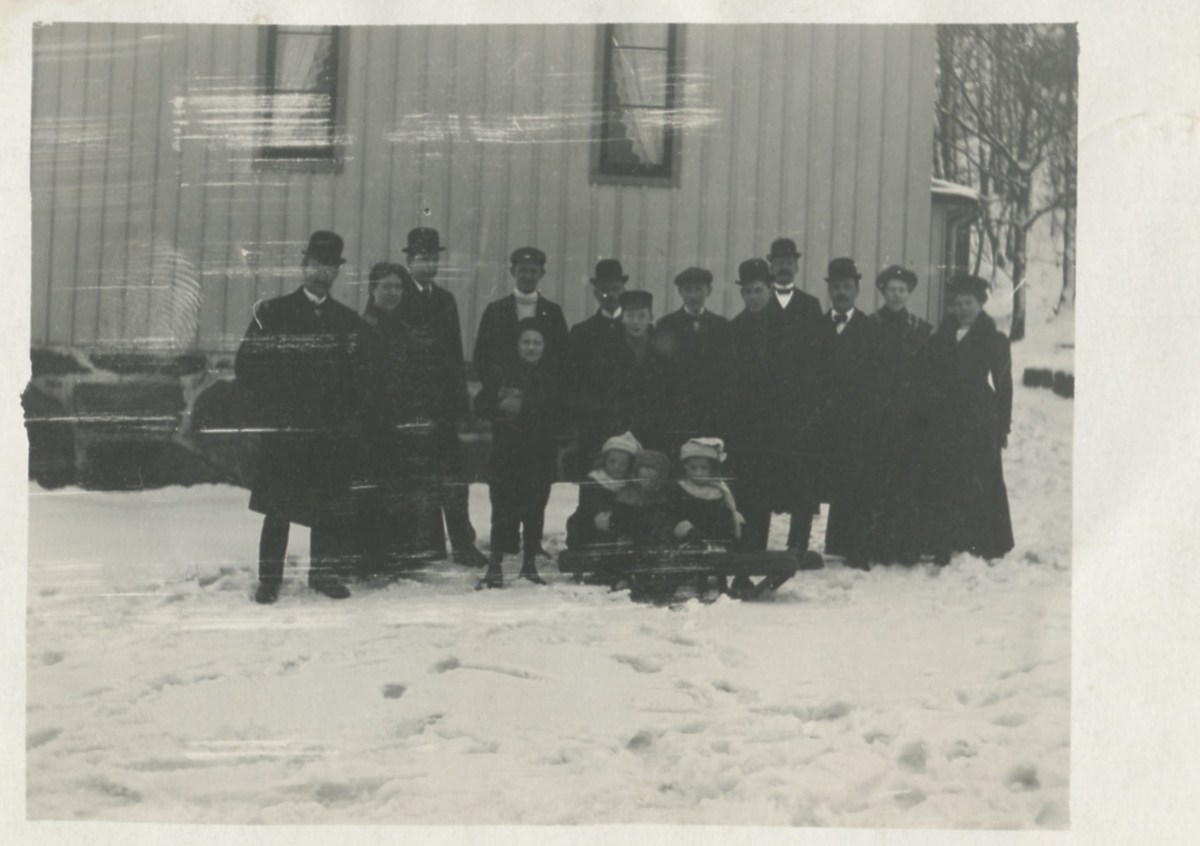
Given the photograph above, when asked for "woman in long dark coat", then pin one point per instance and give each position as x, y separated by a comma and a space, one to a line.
898, 460
397, 467
969, 372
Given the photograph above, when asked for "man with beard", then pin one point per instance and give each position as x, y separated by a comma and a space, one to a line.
769, 406
693, 339
440, 389
594, 347
300, 361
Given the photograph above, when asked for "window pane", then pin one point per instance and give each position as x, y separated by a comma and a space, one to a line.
641, 77
641, 35
299, 120
302, 61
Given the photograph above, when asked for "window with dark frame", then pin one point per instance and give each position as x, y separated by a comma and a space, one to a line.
638, 139
301, 66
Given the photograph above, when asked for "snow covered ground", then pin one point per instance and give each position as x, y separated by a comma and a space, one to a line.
158, 691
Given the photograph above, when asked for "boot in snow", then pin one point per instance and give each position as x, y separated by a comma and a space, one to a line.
494, 577
529, 571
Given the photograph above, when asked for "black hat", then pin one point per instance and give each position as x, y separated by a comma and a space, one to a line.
974, 286
609, 269
695, 274
895, 271
783, 248
325, 248
636, 299
422, 241
843, 268
754, 270
527, 255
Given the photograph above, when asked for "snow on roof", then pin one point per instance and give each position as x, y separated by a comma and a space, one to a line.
949, 189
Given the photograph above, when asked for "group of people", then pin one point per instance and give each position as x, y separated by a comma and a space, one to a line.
689, 431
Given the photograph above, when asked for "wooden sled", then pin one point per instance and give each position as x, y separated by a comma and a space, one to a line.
661, 573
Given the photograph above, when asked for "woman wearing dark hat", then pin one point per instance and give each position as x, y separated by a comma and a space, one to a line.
527, 407
901, 338
397, 466
969, 373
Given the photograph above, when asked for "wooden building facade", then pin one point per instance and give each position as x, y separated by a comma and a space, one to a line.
158, 221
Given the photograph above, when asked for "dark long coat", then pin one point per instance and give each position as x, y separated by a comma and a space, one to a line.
639, 400
848, 427
303, 366
900, 436
803, 309
769, 402
595, 347
970, 412
496, 341
695, 349
525, 446
396, 464
438, 377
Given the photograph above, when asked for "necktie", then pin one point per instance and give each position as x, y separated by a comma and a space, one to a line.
839, 318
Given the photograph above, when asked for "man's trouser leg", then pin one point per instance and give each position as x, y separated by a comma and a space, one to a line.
454, 490
272, 547
506, 517
533, 516
331, 556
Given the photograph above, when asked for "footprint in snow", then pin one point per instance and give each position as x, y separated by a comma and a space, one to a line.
641, 665
912, 758
1022, 777
52, 657
394, 691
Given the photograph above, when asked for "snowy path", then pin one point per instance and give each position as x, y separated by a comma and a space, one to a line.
159, 691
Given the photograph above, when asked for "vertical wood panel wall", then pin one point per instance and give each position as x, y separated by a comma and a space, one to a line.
152, 226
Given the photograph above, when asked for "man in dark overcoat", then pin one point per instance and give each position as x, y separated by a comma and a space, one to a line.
595, 346
768, 398
639, 398
693, 339
496, 341
801, 309
439, 384
849, 410
300, 362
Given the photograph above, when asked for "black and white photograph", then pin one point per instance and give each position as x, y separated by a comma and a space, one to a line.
551, 424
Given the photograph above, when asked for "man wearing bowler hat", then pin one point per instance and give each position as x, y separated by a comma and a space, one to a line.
594, 347
769, 398
797, 306
300, 361
439, 384
496, 341
692, 339
849, 409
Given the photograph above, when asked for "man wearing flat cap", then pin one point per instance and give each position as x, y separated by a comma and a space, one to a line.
849, 414
301, 363
769, 400
594, 346
439, 383
692, 339
799, 308
496, 341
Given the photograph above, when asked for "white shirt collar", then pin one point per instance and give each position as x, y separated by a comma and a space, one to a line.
313, 298
784, 295
695, 316
850, 312
527, 299
614, 316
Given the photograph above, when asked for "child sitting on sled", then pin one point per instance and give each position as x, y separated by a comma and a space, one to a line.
588, 529
705, 511
643, 515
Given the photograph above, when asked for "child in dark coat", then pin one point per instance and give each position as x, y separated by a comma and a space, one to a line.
642, 514
705, 511
527, 409
588, 528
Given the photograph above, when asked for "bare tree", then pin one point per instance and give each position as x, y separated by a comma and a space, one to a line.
1006, 125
